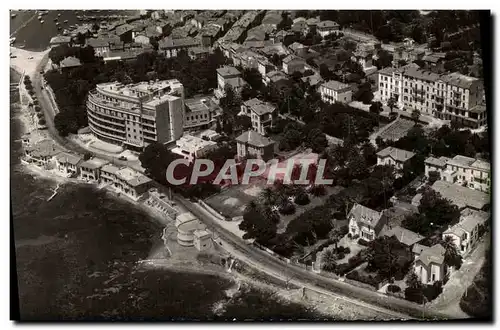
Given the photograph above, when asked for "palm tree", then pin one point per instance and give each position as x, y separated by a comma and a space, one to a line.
451, 256
267, 196
329, 260
391, 103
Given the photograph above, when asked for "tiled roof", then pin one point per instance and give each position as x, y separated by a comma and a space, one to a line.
399, 155
65, 157
418, 248
291, 58
327, 25
254, 139
259, 107
365, 215
462, 161
70, 62
440, 162
461, 196
460, 80
469, 219
433, 254
403, 235
481, 164
336, 85
228, 71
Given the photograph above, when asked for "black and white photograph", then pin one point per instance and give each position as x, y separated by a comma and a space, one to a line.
250, 165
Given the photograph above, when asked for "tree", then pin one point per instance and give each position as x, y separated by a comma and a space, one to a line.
302, 198
376, 108
257, 225
316, 140
415, 115
452, 257
329, 260
87, 156
155, 159
391, 103
434, 176
412, 280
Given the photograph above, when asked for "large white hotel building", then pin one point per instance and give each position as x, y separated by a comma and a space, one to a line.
136, 115
453, 96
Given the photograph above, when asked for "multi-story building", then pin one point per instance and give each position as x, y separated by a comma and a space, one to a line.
90, 169
474, 173
67, 163
132, 183
293, 63
253, 144
453, 96
394, 156
429, 265
200, 113
335, 91
325, 28
228, 76
137, 115
365, 222
465, 234
261, 114
171, 47
191, 147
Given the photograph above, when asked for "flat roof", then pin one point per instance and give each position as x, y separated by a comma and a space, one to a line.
94, 163
462, 196
132, 177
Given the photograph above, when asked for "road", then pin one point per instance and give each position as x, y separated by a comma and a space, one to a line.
390, 306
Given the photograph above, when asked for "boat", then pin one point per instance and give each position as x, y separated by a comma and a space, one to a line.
55, 19
13, 15
57, 24
65, 21
59, 27
58, 15
12, 40
42, 21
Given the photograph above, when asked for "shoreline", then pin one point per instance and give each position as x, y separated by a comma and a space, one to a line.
22, 115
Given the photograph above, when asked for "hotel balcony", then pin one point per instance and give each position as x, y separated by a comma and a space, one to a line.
99, 115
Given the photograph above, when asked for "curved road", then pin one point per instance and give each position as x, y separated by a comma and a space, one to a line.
390, 306
383, 305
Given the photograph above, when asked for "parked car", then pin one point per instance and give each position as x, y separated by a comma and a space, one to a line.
122, 158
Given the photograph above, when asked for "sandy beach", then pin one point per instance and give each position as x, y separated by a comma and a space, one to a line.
26, 61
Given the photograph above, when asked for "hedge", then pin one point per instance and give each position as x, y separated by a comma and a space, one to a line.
393, 288
364, 278
363, 242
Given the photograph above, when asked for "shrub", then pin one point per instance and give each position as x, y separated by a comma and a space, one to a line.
393, 288
37, 108
415, 295
41, 122
287, 208
340, 255
363, 278
363, 242
87, 156
347, 250
302, 199
39, 115
355, 236
432, 291
349, 235
318, 190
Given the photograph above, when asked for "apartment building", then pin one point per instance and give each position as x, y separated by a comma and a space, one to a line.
41, 153
90, 169
136, 115
261, 114
191, 147
394, 156
335, 91
471, 172
171, 47
462, 170
200, 112
67, 163
453, 96
228, 76
132, 183
465, 234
